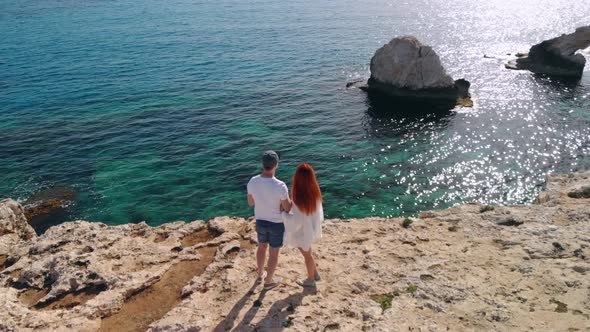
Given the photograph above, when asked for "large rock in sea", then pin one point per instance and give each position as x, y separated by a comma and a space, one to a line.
405, 68
557, 56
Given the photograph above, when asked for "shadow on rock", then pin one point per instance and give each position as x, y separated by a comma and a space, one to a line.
228, 322
276, 319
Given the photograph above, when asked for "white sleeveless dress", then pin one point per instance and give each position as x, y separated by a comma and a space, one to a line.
302, 230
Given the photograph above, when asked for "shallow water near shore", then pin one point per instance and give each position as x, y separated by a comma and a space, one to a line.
158, 111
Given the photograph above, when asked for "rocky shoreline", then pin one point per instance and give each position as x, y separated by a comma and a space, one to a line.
470, 267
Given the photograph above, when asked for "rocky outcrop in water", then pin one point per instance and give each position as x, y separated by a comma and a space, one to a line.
406, 69
557, 56
405, 63
470, 267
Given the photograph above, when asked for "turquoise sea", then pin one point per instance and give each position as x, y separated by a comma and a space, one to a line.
158, 110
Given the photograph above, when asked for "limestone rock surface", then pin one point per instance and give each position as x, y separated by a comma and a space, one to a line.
462, 268
13, 220
405, 63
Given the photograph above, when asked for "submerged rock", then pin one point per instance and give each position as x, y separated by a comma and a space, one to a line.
557, 56
361, 84
48, 207
406, 69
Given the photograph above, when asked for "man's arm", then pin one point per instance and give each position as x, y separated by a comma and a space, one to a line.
285, 199
250, 197
286, 204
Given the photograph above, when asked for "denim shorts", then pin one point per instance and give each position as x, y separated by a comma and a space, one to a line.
270, 232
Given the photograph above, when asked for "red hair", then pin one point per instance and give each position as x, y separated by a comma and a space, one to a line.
306, 191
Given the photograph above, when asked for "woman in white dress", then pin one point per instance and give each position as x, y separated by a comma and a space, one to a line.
303, 224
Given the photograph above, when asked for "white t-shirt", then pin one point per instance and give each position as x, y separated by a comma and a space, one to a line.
268, 193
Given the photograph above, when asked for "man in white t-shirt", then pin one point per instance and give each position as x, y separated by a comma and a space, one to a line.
268, 195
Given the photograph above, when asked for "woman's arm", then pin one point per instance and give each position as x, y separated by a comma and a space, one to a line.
318, 217
320, 212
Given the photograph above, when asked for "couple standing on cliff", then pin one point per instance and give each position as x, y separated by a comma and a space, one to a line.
293, 221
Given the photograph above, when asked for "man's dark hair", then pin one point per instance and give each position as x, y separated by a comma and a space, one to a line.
270, 159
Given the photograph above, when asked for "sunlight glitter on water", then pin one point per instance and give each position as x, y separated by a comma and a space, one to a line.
160, 115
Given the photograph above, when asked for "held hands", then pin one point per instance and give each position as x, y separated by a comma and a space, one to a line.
282, 209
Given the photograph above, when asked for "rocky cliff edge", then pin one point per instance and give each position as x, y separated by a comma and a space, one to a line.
470, 267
